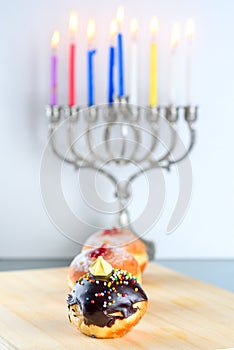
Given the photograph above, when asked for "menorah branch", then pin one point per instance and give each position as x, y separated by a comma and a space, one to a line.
116, 134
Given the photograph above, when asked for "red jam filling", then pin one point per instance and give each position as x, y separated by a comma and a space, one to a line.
112, 231
95, 253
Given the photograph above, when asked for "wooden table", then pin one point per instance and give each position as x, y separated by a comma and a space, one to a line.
183, 314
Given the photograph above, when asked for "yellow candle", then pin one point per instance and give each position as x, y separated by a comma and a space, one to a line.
153, 91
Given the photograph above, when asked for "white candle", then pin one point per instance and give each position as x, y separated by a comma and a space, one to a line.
175, 37
190, 34
133, 86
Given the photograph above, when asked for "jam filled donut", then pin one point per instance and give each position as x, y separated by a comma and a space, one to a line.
106, 302
120, 238
117, 257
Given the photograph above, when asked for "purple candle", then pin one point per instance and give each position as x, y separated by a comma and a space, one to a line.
54, 61
53, 95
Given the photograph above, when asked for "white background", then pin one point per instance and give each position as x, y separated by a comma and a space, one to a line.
26, 28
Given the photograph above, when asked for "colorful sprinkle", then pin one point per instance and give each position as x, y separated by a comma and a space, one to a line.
118, 279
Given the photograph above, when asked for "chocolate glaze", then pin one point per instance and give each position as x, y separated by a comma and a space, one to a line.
98, 299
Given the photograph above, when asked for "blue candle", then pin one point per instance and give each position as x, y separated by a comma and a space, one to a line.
90, 77
111, 74
90, 61
120, 17
120, 64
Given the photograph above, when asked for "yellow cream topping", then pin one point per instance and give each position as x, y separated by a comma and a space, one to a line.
100, 267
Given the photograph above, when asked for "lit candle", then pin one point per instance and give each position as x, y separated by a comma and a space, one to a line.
134, 63
90, 55
120, 17
72, 57
111, 88
190, 35
175, 37
153, 96
54, 44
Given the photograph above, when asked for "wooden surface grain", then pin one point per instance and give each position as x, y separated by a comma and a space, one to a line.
183, 314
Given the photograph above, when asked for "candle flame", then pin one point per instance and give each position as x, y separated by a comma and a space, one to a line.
91, 28
154, 26
55, 39
113, 28
134, 26
175, 36
73, 23
190, 30
120, 14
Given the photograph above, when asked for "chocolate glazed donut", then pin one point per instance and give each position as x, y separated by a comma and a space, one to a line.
96, 302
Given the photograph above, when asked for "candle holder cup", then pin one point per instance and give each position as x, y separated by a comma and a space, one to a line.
129, 122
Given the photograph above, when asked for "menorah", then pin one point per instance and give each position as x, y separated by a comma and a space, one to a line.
121, 140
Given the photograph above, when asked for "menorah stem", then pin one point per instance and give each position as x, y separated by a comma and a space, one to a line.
124, 222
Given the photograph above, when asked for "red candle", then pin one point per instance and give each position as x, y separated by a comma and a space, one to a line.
72, 57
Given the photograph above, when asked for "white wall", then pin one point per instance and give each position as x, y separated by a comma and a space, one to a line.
25, 28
